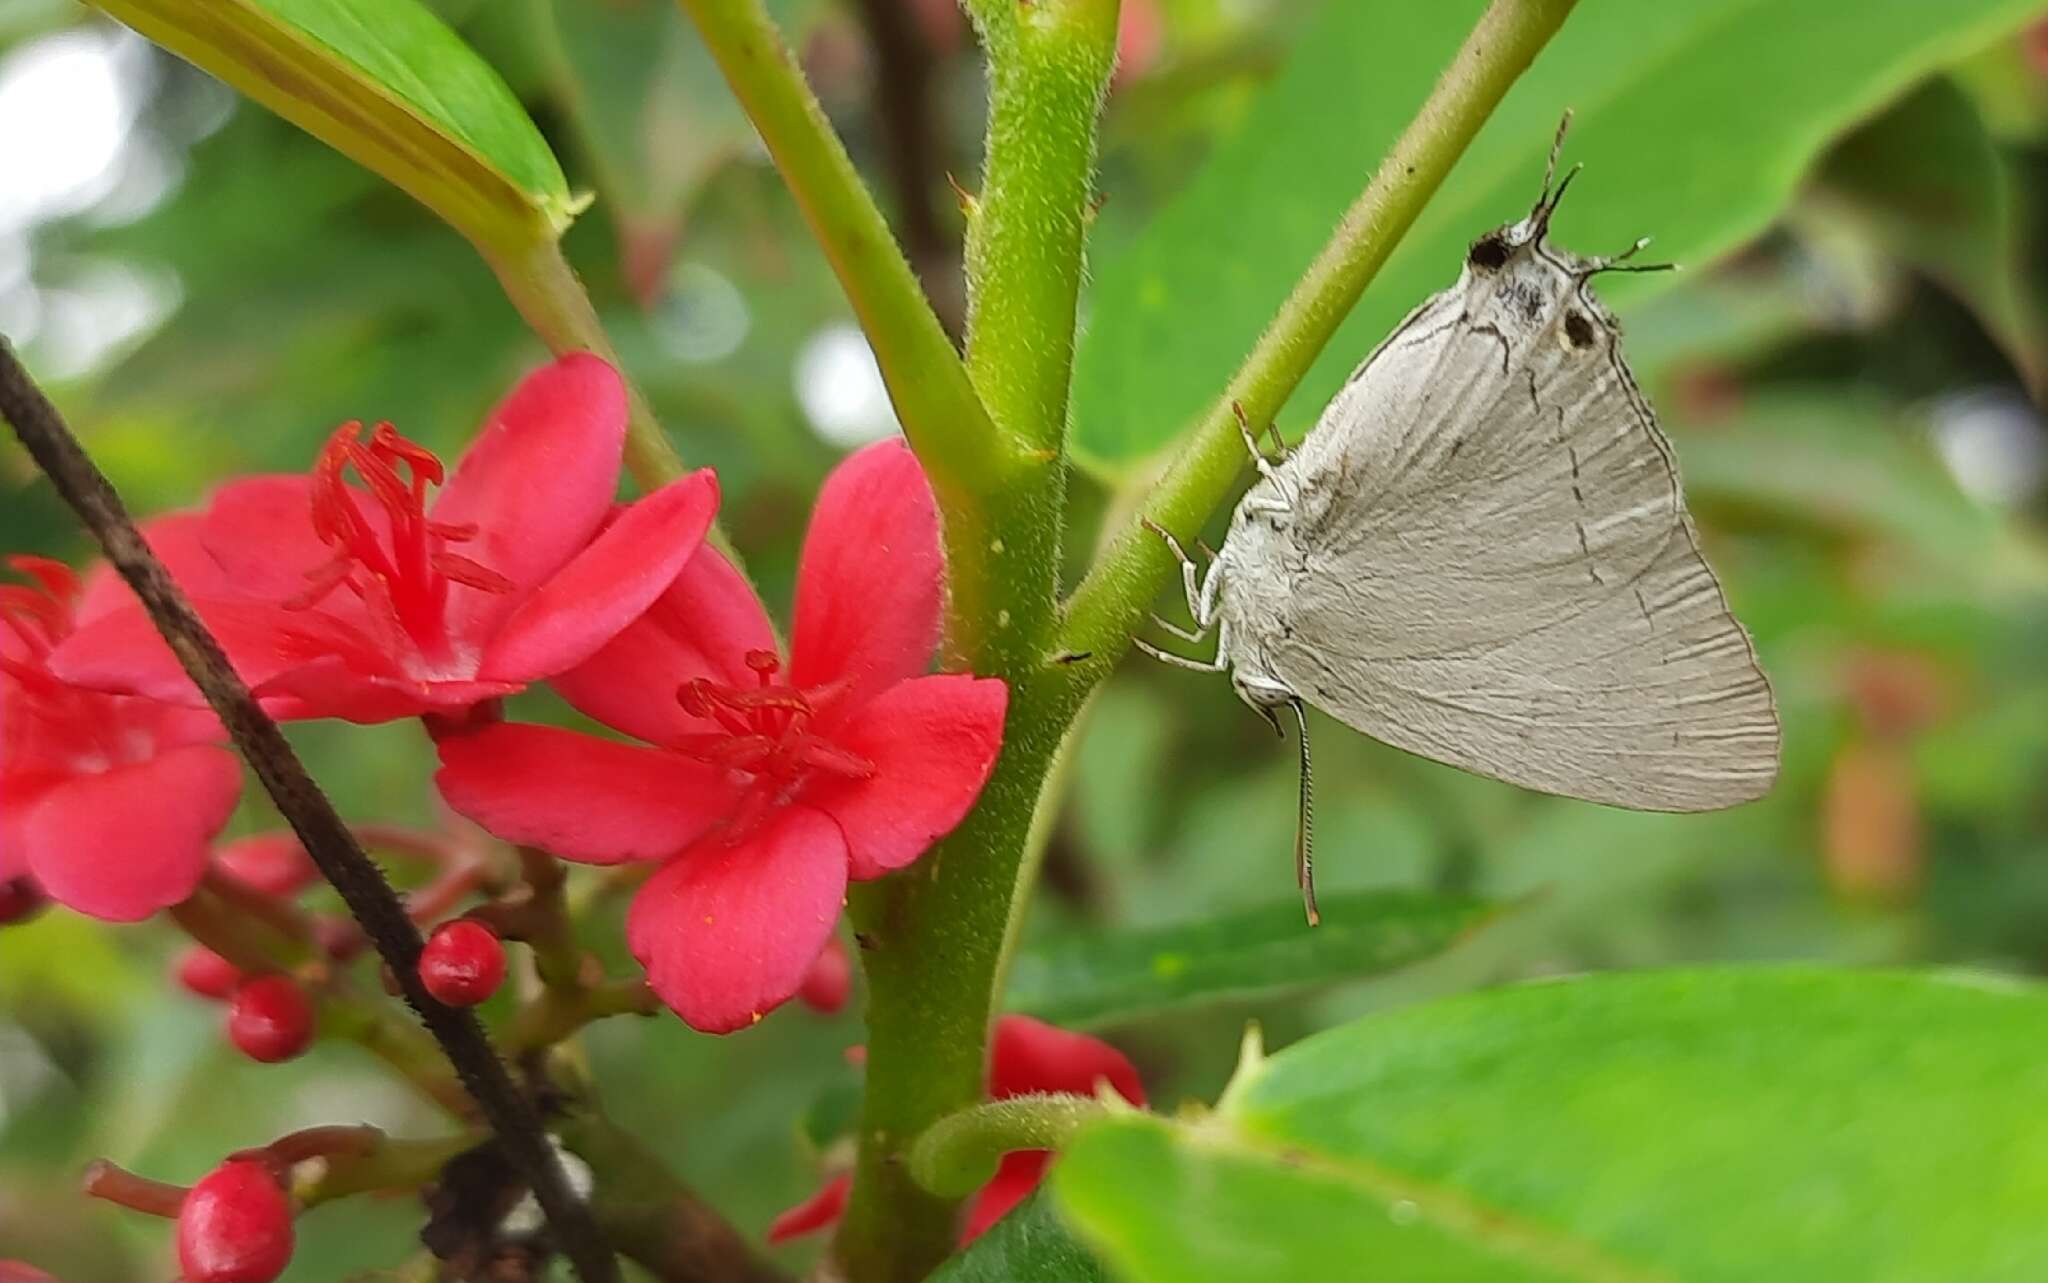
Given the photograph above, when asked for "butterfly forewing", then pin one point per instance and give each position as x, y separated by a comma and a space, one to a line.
1491, 565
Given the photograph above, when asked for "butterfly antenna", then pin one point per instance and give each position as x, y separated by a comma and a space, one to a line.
1620, 262
1546, 204
1305, 827
1556, 149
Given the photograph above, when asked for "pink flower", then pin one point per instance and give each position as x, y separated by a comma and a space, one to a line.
370, 604
763, 785
107, 802
1027, 1057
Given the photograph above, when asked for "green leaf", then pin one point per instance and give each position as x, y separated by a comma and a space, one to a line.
1694, 124
1029, 1243
1099, 976
1685, 1127
653, 113
1941, 196
387, 84
1845, 466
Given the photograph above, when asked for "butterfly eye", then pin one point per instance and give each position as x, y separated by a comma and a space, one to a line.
1489, 251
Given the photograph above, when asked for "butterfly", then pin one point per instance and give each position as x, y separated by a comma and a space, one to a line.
1481, 554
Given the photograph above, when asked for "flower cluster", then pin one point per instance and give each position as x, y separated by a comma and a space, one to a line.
382, 585
754, 779
108, 803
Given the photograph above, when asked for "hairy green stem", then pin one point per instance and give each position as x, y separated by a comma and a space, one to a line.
934, 939
940, 412
957, 1155
1112, 599
1048, 67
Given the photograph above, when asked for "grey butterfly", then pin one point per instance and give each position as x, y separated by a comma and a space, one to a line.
1481, 554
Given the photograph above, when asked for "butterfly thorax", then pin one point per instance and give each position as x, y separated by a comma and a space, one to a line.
1258, 572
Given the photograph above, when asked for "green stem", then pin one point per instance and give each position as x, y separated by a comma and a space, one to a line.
958, 1155
544, 288
1112, 599
399, 1165
1048, 69
940, 412
561, 1011
928, 1021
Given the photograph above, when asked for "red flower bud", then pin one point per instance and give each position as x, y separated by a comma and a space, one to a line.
463, 963
273, 863
207, 974
829, 980
235, 1226
20, 900
270, 1019
338, 937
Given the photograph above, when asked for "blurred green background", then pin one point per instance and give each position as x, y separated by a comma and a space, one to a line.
1854, 394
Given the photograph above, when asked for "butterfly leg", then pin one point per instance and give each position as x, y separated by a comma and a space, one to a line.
1185, 634
1259, 459
1251, 442
1216, 665
1195, 585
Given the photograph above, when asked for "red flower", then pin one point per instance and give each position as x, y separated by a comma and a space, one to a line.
370, 605
1027, 1057
107, 802
768, 785
1031, 1056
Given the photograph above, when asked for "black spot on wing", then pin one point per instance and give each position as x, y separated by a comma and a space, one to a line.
1489, 252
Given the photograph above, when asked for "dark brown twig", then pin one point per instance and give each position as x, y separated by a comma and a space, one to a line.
333, 847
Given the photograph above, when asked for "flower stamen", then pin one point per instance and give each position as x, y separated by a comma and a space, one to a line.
764, 733
402, 570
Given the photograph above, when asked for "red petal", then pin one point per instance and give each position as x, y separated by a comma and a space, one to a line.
578, 796
821, 1210
608, 586
727, 931
867, 593
330, 687
703, 626
933, 741
1015, 1178
1032, 1056
260, 531
124, 844
536, 482
175, 539
122, 651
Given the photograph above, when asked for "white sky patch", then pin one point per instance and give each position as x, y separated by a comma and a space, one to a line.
840, 388
1994, 444
96, 312
66, 104
702, 317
